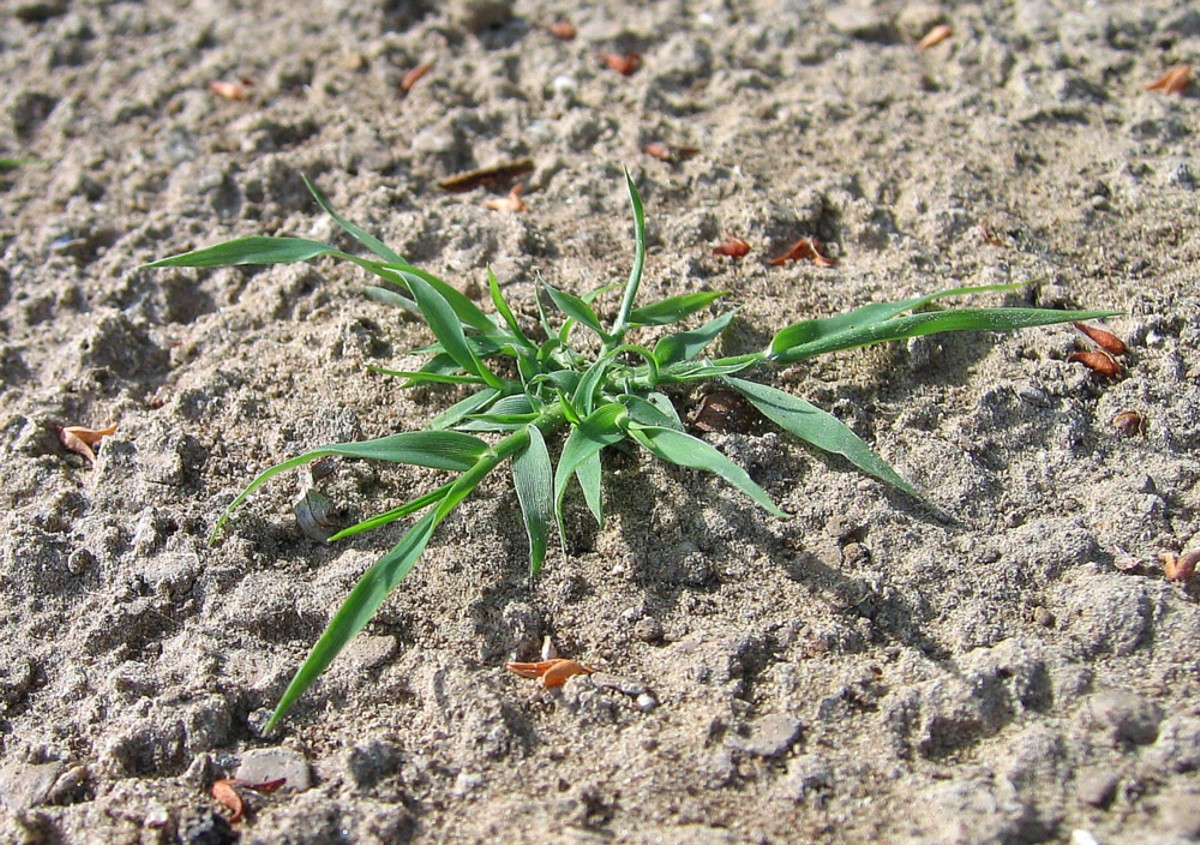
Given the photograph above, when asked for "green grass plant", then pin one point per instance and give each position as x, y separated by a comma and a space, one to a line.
530, 383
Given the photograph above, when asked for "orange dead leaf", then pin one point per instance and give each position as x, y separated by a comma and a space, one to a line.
1173, 81
935, 36
1179, 567
223, 790
229, 90
1106, 340
988, 236
805, 248
1098, 362
79, 439
413, 76
551, 673
671, 155
562, 29
622, 63
734, 248
512, 202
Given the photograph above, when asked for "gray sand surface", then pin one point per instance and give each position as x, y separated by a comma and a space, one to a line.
860, 673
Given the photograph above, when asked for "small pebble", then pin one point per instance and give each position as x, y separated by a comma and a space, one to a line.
648, 630
646, 702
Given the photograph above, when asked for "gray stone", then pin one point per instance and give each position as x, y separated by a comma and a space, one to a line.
26, 785
1097, 786
861, 23
261, 765
478, 15
807, 775
1125, 716
770, 736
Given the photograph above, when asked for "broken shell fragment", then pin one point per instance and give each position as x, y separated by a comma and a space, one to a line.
315, 516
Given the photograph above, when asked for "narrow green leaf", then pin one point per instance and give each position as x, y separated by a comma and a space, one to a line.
390, 297
684, 450
655, 409
585, 394
913, 325
356, 611
505, 311
684, 346
434, 449
253, 250
366, 239
820, 428
589, 476
463, 408
447, 328
639, 258
686, 371
807, 331
576, 309
600, 429
467, 311
507, 414
533, 477
674, 308
382, 519
416, 377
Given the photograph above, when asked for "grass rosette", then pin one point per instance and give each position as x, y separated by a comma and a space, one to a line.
546, 386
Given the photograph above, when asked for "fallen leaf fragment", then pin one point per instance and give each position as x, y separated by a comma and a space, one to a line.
551, 673
1173, 81
562, 29
1179, 567
225, 791
986, 231
225, 794
496, 174
1098, 362
414, 76
1106, 340
512, 202
1130, 423
734, 248
671, 155
935, 36
623, 63
79, 439
805, 248
229, 90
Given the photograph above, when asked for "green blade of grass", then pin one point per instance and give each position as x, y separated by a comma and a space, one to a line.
576, 309
684, 346
356, 611
639, 259
463, 408
363, 237
585, 393
673, 309
252, 250
467, 311
819, 428
600, 429
447, 328
653, 409
589, 474
684, 450
448, 450
503, 309
914, 325
533, 478
390, 297
807, 331
416, 377
387, 517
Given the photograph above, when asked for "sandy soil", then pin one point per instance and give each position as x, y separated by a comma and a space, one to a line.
859, 673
